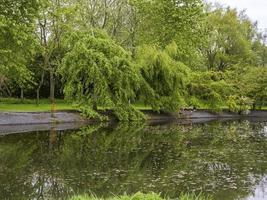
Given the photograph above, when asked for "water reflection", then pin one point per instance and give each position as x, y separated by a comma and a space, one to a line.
225, 159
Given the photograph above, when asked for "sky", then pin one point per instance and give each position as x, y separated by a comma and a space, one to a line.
255, 9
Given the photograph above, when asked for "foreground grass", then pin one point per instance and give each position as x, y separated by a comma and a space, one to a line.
140, 196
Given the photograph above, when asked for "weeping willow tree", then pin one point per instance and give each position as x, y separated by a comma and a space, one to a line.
164, 78
98, 72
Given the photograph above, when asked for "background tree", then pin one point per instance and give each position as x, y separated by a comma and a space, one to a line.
116, 17
17, 42
256, 87
260, 48
54, 19
181, 21
230, 38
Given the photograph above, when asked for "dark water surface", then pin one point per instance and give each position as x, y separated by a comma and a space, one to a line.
225, 159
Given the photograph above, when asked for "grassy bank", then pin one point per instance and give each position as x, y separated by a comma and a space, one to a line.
140, 196
29, 105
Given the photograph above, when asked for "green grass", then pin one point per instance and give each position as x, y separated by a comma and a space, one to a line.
142, 106
32, 107
140, 196
29, 105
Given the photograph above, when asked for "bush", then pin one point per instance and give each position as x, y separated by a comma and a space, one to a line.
239, 104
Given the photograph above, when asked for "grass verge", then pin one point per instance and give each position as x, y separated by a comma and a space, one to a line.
29, 105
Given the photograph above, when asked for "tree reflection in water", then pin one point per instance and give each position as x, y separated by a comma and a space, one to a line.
224, 159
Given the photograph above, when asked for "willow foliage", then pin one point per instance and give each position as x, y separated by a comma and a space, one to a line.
98, 72
164, 77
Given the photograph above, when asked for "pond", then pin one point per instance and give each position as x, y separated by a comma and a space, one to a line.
227, 160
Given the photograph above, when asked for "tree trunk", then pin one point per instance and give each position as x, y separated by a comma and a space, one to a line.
94, 105
37, 96
21, 95
94, 97
52, 91
94, 102
39, 88
105, 15
253, 106
52, 86
8, 90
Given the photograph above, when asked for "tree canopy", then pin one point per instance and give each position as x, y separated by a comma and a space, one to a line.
17, 43
112, 54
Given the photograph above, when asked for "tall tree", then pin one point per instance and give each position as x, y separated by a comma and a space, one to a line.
16, 41
259, 47
230, 38
54, 19
116, 17
162, 21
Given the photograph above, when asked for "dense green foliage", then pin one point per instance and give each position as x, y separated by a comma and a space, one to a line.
208, 89
167, 54
230, 39
16, 44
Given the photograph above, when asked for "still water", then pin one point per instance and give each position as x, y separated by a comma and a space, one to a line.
227, 160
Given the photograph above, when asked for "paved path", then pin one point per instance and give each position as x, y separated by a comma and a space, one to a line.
13, 118
14, 122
